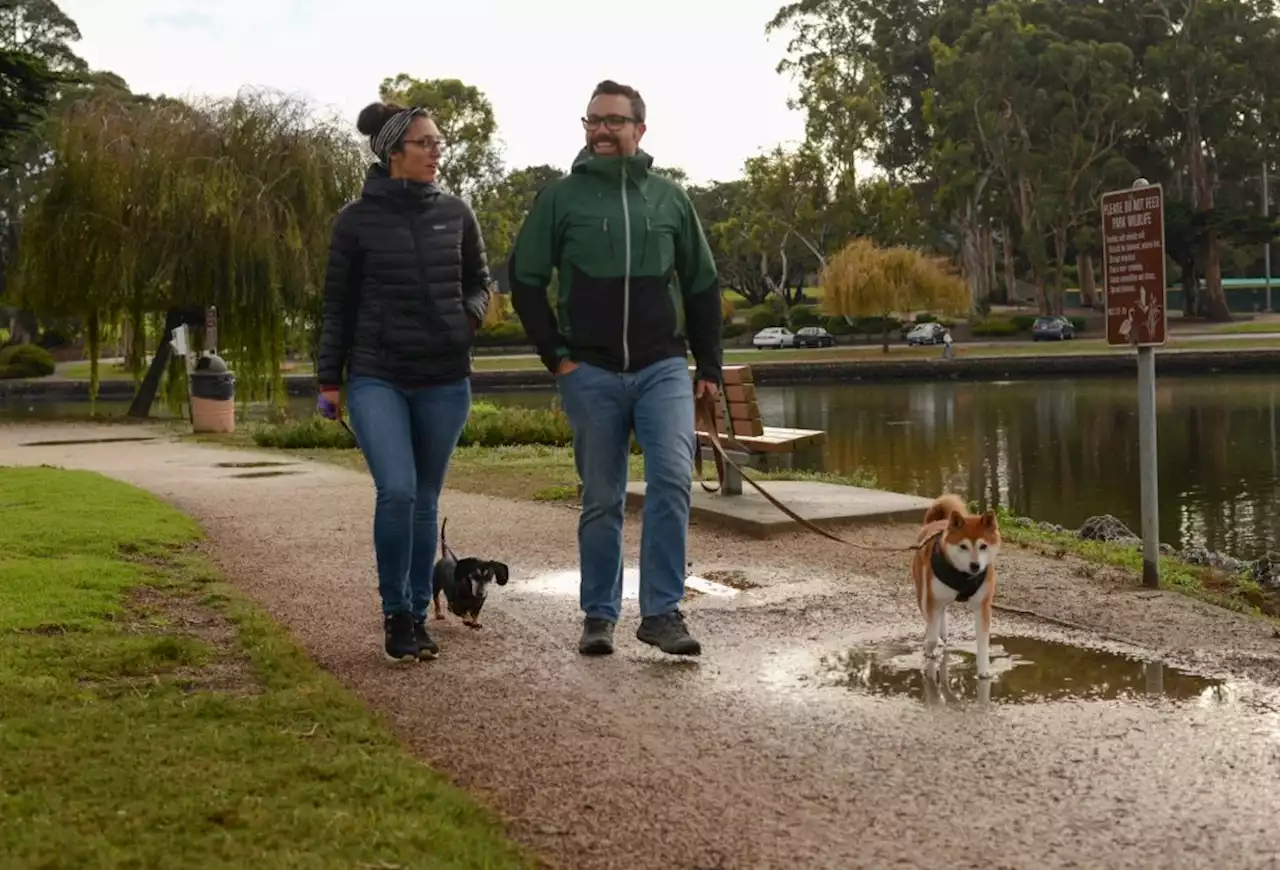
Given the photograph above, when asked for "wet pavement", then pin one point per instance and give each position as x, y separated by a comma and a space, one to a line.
811, 733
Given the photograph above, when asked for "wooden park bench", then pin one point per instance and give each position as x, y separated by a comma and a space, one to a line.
743, 433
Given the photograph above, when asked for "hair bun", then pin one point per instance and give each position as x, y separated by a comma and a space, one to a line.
374, 117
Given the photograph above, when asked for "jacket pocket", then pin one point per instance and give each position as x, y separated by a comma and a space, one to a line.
593, 245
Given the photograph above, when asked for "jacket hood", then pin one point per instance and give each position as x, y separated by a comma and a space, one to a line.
637, 165
379, 183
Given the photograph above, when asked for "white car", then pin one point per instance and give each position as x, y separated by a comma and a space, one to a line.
774, 336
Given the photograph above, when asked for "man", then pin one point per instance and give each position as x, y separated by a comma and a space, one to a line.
635, 279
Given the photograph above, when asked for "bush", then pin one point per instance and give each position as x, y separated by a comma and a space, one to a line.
837, 326
996, 328
926, 317
25, 361
802, 316
734, 329
487, 426
1023, 322
503, 334
764, 316
1077, 323
493, 426
876, 325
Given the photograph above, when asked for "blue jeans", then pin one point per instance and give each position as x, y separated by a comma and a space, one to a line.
407, 437
604, 407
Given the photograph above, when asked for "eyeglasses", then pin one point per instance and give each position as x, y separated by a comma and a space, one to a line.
428, 143
612, 122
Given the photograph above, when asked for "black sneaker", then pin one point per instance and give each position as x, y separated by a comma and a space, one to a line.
597, 637
427, 647
669, 634
401, 646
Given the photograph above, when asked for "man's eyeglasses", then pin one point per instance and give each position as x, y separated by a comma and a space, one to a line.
427, 143
611, 122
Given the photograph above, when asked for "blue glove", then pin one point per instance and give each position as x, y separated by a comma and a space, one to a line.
328, 410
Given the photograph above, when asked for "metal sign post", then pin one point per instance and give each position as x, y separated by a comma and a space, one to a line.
1134, 277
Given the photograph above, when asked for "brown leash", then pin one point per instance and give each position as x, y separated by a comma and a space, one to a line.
707, 409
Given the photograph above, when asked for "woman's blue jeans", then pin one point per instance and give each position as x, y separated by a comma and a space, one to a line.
407, 437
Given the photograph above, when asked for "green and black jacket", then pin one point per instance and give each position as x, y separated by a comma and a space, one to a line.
636, 276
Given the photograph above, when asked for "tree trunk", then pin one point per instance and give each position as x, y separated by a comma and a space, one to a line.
969, 257
1010, 268
1060, 258
989, 249
1215, 301
1088, 286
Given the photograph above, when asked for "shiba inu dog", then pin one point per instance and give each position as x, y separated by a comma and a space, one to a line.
955, 561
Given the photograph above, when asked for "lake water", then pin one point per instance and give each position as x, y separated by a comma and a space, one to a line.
1056, 450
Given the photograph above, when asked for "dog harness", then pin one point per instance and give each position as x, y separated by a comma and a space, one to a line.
964, 583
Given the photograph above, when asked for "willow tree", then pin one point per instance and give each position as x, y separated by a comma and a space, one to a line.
155, 211
864, 280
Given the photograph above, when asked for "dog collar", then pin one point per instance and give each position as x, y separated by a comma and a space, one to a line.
964, 583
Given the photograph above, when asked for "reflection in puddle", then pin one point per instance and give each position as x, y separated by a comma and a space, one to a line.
256, 474
566, 583
1025, 670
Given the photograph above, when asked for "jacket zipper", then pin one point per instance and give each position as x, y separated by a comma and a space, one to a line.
626, 275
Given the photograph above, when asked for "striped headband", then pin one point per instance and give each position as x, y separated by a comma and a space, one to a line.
393, 132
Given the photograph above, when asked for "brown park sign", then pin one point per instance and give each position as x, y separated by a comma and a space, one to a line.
1133, 266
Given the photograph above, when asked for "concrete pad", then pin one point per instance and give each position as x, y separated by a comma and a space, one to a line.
823, 504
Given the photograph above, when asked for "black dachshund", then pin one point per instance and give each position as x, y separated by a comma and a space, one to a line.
464, 582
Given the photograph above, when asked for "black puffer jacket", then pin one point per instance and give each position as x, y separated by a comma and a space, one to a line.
406, 266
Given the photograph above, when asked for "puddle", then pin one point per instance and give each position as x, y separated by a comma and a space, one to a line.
72, 441
254, 464
1026, 670
733, 579
253, 474
566, 583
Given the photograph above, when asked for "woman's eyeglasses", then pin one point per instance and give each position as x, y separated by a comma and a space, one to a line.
427, 143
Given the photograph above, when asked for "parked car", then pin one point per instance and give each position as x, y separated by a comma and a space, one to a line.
775, 337
1055, 328
926, 333
814, 336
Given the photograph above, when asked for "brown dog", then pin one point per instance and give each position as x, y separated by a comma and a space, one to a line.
955, 561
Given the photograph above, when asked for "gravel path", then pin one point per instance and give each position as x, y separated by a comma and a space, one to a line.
761, 754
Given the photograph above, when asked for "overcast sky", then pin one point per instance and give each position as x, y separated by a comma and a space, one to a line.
705, 67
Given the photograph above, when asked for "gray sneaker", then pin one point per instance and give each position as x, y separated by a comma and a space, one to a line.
669, 634
597, 637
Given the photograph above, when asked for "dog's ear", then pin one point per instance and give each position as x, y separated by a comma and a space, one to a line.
989, 520
500, 572
957, 520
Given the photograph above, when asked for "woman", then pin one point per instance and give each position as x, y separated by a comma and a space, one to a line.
405, 290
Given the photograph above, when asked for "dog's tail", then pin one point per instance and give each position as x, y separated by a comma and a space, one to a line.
946, 504
443, 545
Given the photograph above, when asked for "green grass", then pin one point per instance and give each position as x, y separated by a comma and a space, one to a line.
1247, 327
841, 353
898, 350
130, 738
1231, 591
528, 472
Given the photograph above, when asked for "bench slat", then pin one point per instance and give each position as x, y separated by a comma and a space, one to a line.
772, 440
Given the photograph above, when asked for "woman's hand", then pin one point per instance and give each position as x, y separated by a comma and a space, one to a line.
329, 403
